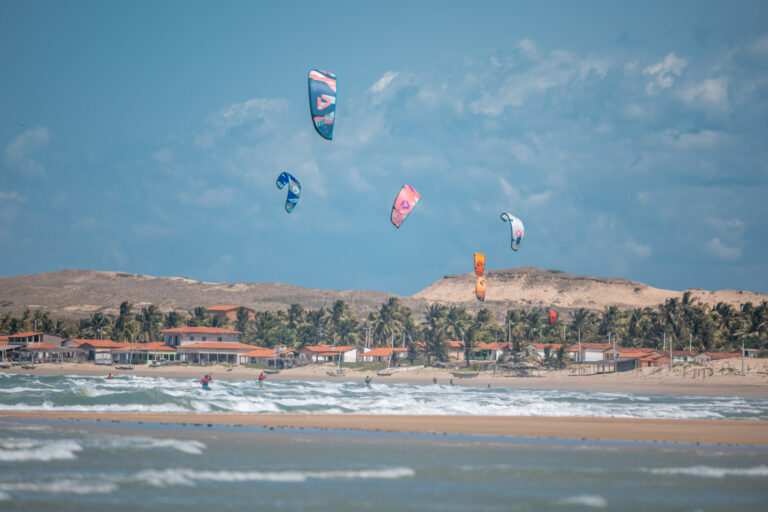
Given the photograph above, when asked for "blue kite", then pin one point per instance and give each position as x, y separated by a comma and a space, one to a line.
294, 190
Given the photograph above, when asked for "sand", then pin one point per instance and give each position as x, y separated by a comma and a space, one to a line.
619, 429
724, 380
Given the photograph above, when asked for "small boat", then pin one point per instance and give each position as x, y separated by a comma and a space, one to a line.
123, 367
385, 373
465, 375
271, 372
28, 366
5, 366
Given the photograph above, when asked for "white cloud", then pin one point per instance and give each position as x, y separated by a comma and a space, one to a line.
10, 205
383, 82
711, 92
22, 152
528, 48
537, 199
636, 249
163, 155
662, 73
238, 114
506, 187
704, 139
721, 251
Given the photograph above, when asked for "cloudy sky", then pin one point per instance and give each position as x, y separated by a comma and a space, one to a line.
631, 138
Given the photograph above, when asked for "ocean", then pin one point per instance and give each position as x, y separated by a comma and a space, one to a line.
24, 392
98, 466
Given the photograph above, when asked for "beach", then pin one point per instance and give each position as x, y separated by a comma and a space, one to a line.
721, 378
614, 429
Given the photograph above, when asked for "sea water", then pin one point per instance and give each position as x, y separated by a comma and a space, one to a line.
90, 466
24, 392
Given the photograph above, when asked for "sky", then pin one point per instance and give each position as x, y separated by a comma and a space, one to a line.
630, 137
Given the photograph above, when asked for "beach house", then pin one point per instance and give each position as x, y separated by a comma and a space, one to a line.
382, 355
191, 335
26, 338
98, 351
589, 352
619, 351
330, 353
539, 349
230, 312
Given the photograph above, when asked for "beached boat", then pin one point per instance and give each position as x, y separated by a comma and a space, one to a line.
124, 367
465, 375
271, 372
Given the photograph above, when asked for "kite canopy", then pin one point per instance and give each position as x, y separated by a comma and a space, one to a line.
552, 317
294, 190
518, 230
404, 202
322, 101
479, 263
480, 285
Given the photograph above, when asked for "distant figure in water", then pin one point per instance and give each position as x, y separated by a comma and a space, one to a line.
367, 381
205, 381
261, 379
434, 380
451, 382
489, 386
110, 376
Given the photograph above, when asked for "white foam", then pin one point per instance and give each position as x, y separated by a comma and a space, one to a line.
190, 446
60, 486
185, 476
710, 471
22, 450
4, 496
585, 500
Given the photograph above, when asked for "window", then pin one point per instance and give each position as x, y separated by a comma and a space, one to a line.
204, 339
219, 338
191, 338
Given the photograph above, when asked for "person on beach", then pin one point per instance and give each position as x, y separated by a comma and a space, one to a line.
434, 380
261, 379
367, 381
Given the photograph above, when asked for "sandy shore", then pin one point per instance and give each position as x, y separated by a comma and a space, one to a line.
620, 429
720, 379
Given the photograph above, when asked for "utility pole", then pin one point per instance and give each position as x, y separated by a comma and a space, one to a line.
742, 357
690, 342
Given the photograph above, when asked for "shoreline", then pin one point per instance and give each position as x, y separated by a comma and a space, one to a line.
741, 432
660, 381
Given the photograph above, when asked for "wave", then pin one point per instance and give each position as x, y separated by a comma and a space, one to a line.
66, 486
710, 471
585, 500
23, 450
190, 446
185, 476
159, 394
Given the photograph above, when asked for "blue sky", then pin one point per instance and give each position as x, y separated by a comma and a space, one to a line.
146, 137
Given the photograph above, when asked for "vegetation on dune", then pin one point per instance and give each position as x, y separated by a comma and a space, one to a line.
679, 321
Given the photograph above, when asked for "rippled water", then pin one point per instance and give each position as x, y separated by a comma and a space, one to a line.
83, 466
154, 394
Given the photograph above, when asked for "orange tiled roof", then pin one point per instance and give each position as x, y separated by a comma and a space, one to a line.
222, 345
333, 350
202, 330
260, 352
156, 346
492, 345
544, 345
227, 308
723, 355
101, 343
41, 346
634, 349
383, 351
24, 334
593, 345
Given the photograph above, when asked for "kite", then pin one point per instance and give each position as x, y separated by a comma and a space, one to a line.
518, 230
294, 190
480, 284
322, 101
404, 202
479, 263
552, 317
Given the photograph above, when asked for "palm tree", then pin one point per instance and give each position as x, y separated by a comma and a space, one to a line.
98, 323
149, 318
387, 321
199, 317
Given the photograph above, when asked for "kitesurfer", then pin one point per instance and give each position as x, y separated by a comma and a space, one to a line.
110, 376
205, 381
367, 381
261, 379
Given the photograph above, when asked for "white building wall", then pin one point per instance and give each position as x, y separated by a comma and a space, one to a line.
181, 339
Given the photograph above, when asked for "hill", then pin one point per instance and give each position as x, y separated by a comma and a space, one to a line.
79, 293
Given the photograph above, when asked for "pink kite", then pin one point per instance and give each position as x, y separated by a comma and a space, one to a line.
404, 203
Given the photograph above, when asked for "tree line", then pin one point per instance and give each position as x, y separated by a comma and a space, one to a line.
678, 322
